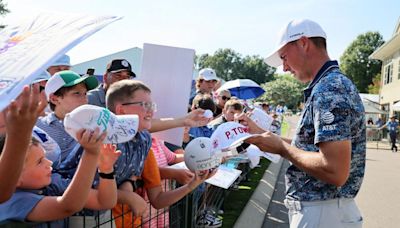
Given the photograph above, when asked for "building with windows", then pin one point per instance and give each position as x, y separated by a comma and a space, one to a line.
389, 54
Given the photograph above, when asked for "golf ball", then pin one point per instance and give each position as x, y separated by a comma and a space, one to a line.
208, 113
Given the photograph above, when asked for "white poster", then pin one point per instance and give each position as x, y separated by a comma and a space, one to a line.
28, 47
168, 72
224, 177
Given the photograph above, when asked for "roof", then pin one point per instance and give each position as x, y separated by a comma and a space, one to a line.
389, 47
133, 55
371, 109
370, 97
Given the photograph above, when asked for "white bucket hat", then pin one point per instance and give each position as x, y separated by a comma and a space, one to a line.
43, 76
120, 128
294, 30
200, 155
64, 60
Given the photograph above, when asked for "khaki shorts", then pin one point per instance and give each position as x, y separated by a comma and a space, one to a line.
324, 214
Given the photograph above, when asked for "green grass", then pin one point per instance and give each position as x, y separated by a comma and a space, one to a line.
285, 128
237, 199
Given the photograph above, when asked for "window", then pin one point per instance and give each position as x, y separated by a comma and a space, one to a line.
398, 70
388, 74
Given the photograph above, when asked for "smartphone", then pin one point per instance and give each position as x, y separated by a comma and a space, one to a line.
90, 71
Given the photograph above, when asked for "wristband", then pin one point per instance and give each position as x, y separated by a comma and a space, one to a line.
107, 175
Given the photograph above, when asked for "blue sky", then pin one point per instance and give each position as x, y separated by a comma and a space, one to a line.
248, 27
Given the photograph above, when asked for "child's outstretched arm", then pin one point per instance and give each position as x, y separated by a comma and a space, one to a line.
75, 196
105, 196
19, 118
126, 195
160, 199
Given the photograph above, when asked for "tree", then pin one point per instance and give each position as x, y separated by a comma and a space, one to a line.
225, 62
3, 10
230, 65
376, 85
355, 62
285, 89
256, 69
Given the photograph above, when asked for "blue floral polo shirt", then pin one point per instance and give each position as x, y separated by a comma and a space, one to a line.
333, 112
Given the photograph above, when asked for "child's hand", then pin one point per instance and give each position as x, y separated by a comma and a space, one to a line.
91, 141
137, 204
200, 177
183, 176
108, 156
21, 115
196, 118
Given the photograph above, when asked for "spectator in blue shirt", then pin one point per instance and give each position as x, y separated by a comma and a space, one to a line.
392, 126
65, 91
379, 122
202, 101
17, 121
38, 199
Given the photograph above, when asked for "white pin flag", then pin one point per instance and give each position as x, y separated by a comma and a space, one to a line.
27, 48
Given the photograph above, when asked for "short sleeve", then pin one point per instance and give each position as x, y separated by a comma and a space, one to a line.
168, 154
151, 173
19, 206
332, 117
172, 147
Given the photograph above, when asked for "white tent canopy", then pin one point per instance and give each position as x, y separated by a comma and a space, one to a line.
371, 109
396, 106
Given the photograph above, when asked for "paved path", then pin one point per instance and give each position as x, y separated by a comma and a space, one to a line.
379, 197
277, 214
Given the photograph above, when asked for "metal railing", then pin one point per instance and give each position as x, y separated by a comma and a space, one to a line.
182, 214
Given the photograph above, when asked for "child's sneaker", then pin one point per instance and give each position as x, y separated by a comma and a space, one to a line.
206, 220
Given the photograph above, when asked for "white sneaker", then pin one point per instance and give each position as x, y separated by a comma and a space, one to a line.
208, 221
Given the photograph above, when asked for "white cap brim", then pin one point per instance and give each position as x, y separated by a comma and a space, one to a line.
274, 59
238, 142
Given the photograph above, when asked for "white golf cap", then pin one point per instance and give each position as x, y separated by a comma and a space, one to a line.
208, 74
254, 154
229, 136
294, 30
120, 128
200, 156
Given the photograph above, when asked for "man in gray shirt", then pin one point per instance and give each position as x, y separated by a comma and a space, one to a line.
117, 70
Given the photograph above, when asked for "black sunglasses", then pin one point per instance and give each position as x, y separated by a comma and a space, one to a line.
225, 98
